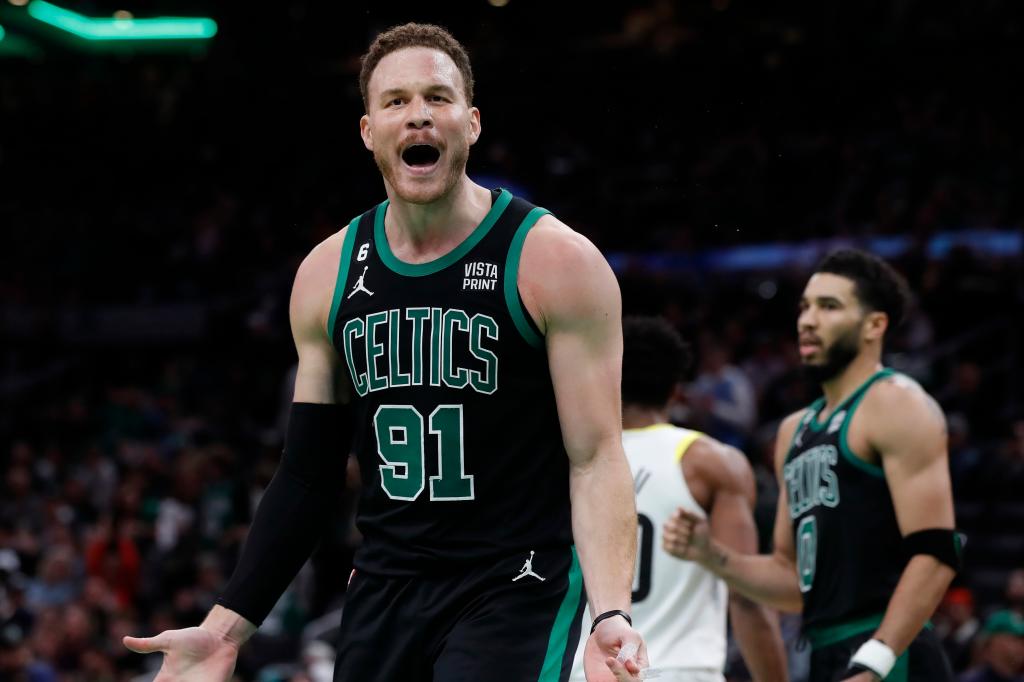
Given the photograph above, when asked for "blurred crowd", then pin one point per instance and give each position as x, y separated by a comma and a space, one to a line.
154, 209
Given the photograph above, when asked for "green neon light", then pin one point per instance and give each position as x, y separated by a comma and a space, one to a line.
2, 33
155, 28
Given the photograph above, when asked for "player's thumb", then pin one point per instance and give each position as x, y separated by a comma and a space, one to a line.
146, 645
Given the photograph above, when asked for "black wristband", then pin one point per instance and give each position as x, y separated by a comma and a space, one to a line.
856, 669
610, 614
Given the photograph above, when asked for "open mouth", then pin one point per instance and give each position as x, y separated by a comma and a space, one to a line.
420, 155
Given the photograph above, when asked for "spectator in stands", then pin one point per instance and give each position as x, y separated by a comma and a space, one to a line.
722, 396
956, 625
1002, 650
56, 584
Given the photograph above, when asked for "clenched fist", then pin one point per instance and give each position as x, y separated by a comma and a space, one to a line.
687, 536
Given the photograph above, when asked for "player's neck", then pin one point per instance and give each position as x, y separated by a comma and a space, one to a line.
422, 232
640, 416
850, 379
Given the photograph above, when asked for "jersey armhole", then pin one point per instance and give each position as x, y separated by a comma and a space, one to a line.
520, 317
805, 420
844, 446
339, 283
685, 442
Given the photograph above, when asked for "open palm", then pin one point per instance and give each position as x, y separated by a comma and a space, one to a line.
189, 654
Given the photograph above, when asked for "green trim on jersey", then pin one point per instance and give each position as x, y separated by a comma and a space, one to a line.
830, 634
822, 637
339, 283
558, 641
515, 252
421, 269
844, 448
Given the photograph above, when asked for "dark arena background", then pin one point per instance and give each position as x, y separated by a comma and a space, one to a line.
157, 195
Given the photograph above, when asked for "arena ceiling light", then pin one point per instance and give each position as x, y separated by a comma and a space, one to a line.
122, 27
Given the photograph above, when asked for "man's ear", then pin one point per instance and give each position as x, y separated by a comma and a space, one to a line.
365, 132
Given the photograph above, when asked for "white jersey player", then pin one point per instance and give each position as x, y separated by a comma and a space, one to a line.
680, 607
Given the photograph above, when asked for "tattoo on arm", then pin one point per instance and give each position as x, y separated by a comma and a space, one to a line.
719, 557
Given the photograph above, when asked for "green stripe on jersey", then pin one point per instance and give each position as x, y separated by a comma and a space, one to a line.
339, 284
558, 641
421, 269
515, 252
844, 447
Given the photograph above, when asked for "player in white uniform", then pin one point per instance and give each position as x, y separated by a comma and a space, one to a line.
678, 606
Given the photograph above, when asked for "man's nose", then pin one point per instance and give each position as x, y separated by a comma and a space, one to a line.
807, 319
419, 115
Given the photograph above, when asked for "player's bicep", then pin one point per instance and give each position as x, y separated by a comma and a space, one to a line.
317, 379
581, 308
782, 535
913, 454
732, 518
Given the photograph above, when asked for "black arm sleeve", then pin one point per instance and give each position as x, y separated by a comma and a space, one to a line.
295, 507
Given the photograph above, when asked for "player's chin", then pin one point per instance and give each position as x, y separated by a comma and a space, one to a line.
422, 190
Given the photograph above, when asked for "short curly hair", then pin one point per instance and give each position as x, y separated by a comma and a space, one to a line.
415, 35
654, 359
877, 285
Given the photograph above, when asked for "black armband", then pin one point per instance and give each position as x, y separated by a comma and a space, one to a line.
945, 544
294, 509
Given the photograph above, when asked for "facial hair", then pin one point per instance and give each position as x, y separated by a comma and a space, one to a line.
457, 156
838, 357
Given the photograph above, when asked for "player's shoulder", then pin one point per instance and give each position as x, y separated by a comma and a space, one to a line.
789, 425
322, 262
563, 276
896, 388
551, 240
898, 400
719, 464
315, 278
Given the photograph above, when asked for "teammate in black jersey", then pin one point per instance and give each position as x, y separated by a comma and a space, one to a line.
864, 541
480, 339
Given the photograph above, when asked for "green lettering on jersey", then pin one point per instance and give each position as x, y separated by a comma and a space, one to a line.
375, 349
399, 431
486, 381
811, 481
417, 316
395, 376
353, 329
453, 376
807, 552
436, 333
451, 483
401, 445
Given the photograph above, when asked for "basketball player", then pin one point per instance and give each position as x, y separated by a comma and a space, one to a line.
679, 606
864, 539
480, 340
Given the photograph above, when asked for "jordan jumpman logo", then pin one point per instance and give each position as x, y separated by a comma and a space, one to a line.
527, 569
359, 286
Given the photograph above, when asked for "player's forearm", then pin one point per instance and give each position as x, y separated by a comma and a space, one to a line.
757, 632
604, 527
766, 578
918, 593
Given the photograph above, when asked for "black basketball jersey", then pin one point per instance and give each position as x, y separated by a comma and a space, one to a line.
848, 544
457, 431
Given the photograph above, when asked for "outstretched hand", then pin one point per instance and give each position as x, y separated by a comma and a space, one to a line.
600, 657
189, 654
